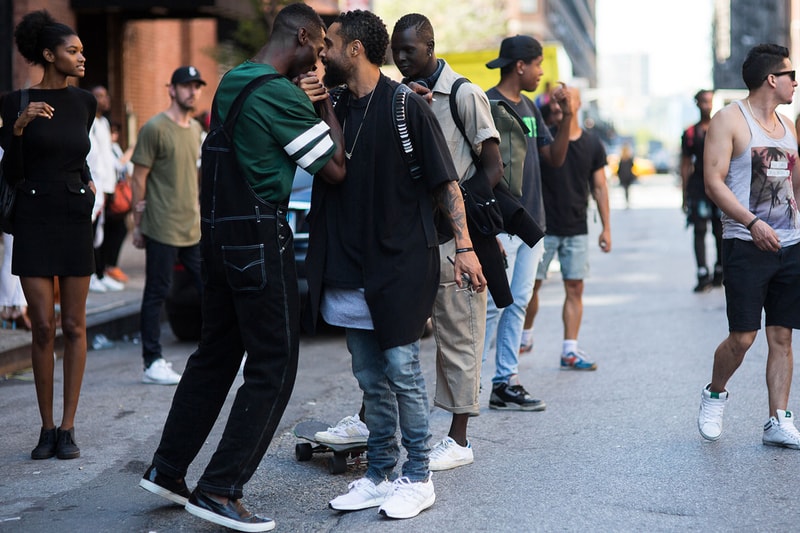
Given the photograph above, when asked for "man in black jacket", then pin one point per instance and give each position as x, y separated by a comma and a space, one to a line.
373, 259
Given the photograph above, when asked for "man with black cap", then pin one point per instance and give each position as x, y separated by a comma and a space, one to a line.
166, 212
520, 65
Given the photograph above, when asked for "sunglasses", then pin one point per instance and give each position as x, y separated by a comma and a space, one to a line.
790, 73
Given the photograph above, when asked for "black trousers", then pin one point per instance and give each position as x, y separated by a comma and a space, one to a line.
250, 303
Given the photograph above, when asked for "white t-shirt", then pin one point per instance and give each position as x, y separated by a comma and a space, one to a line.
101, 158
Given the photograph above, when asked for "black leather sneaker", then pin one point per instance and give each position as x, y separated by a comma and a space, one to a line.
66, 447
232, 514
718, 278
175, 490
47, 444
513, 398
704, 283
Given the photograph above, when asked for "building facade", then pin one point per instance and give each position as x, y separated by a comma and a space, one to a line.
570, 22
131, 47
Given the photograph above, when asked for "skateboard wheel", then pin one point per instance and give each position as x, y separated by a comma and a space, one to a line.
303, 451
337, 464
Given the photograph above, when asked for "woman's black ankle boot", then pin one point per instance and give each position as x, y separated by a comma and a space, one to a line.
66, 447
47, 444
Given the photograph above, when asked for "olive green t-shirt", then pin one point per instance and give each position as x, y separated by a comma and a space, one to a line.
170, 151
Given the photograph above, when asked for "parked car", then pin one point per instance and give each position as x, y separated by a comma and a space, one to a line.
299, 204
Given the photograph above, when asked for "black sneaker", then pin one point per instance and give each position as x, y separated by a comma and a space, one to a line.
47, 444
513, 398
66, 447
232, 514
703, 283
175, 490
716, 281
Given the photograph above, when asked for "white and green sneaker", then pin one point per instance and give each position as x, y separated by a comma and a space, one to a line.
712, 405
780, 431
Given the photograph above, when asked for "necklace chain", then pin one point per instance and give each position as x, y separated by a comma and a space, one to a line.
349, 154
774, 122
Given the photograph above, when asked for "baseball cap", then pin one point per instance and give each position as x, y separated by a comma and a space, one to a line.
185, 75
516, 48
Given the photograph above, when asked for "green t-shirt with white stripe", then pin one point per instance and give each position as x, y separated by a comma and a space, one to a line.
277, 131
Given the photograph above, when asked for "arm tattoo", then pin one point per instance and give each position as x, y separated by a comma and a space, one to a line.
451, 203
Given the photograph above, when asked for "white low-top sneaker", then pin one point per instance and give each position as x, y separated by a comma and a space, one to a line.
95, 285
111, 284
449, 454
780, 431
349, 430
362, 494
408, 498
709, 420
160, 373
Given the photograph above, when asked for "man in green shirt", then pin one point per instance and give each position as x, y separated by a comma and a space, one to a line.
250, 296
166, 211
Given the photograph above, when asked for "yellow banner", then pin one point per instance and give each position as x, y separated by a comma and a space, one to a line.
473, 66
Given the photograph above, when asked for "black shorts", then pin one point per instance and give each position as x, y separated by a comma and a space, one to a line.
701, 209
756, 280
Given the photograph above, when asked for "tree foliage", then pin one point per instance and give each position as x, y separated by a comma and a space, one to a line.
250, 34
464, 26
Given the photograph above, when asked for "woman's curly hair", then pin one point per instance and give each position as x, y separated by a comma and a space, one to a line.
38, 31
368, 28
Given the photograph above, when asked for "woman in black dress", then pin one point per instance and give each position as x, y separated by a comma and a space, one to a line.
45, 153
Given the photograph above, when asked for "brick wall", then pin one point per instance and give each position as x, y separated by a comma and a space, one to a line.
152, 50
24, 73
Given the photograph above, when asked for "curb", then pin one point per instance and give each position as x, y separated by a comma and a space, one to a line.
114, 320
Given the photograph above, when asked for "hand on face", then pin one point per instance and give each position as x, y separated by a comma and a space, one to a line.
310, 84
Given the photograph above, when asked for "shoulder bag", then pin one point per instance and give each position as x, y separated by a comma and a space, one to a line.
8, 192
121, 201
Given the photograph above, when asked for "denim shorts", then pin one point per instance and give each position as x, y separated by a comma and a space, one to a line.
573, 254
756, 280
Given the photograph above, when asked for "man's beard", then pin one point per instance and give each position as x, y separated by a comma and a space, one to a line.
334, 75
184, 106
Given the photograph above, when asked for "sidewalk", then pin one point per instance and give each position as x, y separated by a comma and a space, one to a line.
113, 314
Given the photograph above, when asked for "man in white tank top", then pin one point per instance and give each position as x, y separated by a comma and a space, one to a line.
750, 162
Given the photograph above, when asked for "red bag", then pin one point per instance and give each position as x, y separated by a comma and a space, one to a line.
123, 196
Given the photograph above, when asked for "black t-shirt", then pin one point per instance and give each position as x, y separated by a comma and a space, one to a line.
566, 189
693, 144
375, 230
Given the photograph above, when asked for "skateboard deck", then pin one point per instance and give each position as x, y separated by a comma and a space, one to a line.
343, 454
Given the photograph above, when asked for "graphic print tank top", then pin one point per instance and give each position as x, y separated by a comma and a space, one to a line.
761, 179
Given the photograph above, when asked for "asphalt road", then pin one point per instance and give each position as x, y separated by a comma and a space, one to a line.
616, 450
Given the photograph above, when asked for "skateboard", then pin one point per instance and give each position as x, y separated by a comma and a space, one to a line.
343, 454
